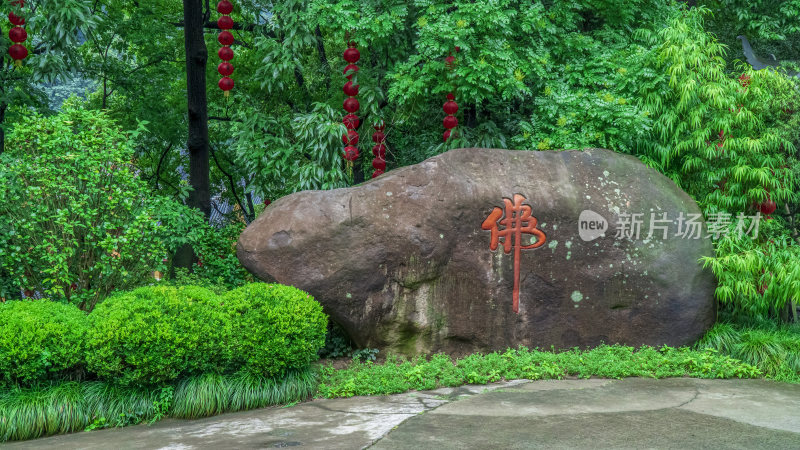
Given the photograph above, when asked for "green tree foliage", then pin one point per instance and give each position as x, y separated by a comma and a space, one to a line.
772, 26
728, 140
642, 77
55, 30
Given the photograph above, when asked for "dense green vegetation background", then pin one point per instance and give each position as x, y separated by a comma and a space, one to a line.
94, 195
644, 77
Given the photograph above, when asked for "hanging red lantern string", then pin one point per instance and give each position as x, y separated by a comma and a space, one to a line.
379, 150
450, 107
225, 68
351, 105
18, 35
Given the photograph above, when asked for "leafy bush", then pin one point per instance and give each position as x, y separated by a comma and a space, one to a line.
727, 139
218, 265
76, 220
40, 340
337, 342
275, 328
153, 335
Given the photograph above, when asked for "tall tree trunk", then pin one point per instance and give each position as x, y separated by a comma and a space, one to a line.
197, 143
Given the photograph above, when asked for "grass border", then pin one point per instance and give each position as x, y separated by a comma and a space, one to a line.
66, 407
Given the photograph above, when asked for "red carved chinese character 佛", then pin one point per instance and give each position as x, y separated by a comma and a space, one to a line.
510, 224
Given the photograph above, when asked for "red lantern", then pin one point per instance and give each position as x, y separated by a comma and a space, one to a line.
379, 151
450, 122
225, 69
450, 107
378, 136
351, 105
352, 69
379, 164
350, 121
351, 138
225, 38
350, 89
18, 52
15, 19
768, 207
225, 54
377, 173
446, 135
224, 7
352, 55
350, 153
17, 34
451, 96
226, 84
267, 202
225, 23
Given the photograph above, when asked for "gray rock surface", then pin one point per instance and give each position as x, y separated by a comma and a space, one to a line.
403, 262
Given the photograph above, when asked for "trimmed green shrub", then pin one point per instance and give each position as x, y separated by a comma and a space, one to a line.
153, 335
40, 340
275, 328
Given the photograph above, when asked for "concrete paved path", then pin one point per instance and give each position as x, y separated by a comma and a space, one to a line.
630, 413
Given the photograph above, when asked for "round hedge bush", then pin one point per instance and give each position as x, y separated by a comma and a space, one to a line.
276, 328
40, 340
153, 335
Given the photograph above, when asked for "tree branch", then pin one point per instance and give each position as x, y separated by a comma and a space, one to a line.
233, 184
223, 119
236, 26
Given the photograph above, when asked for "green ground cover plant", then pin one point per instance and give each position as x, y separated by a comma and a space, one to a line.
398, 375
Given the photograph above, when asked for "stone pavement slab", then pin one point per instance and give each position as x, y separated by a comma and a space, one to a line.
679, 413
596, 413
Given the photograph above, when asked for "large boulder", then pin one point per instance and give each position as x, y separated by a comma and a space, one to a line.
403, 262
